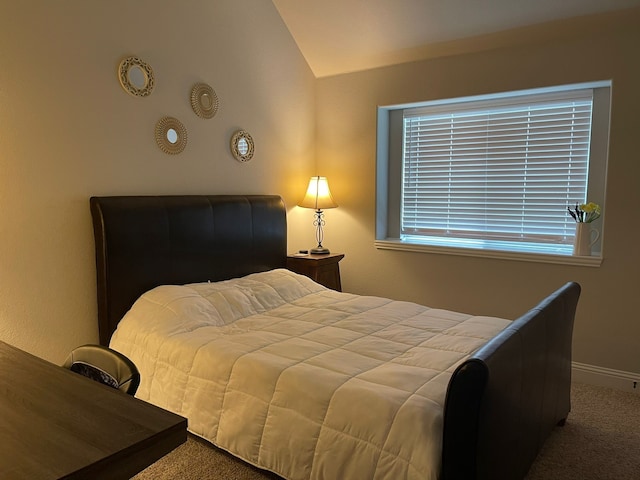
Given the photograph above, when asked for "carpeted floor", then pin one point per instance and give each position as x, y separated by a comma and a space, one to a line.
600, 441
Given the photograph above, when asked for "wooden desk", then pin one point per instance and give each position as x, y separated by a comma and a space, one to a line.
56, 424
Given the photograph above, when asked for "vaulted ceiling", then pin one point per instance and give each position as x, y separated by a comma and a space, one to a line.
340, 36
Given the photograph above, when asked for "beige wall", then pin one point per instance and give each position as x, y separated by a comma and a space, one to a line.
68, 131
607, 330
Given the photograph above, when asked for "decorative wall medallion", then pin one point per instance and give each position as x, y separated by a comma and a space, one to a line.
136, 77
171, 135
204, 100
242, 146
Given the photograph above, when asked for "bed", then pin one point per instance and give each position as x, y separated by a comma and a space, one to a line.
501, 398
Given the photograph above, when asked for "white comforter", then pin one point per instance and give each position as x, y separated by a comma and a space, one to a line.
301, 380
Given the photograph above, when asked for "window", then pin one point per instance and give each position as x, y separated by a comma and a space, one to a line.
492, 174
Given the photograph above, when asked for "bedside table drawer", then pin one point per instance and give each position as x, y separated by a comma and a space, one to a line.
323, 269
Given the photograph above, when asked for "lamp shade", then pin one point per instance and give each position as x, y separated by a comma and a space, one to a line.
318, 195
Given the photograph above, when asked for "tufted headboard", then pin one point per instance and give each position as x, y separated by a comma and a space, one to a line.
146, 241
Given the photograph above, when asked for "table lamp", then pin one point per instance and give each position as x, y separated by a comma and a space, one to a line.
318, 197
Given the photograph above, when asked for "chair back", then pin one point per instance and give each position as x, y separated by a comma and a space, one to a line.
106, 366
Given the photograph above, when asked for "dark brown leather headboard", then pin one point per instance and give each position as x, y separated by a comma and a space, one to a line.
146, 241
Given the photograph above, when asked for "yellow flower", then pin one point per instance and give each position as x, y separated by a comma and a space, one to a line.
585, 213
590, 208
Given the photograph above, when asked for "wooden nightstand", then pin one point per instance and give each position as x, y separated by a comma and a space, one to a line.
323, 269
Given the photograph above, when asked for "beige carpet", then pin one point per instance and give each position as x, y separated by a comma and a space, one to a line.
601, 441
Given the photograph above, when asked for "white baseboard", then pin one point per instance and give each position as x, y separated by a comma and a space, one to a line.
606, 377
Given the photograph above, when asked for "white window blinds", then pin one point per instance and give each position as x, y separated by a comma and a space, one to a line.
500, 170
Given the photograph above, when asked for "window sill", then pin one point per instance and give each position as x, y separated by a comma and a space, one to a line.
588, 261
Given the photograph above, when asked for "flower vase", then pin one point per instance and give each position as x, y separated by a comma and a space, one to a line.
584, 239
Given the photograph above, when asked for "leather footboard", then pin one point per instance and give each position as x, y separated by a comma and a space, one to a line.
504, 401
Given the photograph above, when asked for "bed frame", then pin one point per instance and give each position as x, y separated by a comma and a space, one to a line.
501, 403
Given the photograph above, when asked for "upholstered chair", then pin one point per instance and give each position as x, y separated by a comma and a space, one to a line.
104, 365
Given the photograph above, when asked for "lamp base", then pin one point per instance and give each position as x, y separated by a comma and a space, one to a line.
320, 251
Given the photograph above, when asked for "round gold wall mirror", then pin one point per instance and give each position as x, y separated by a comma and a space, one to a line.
171, 136
242, 146
136, 77
204, 100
